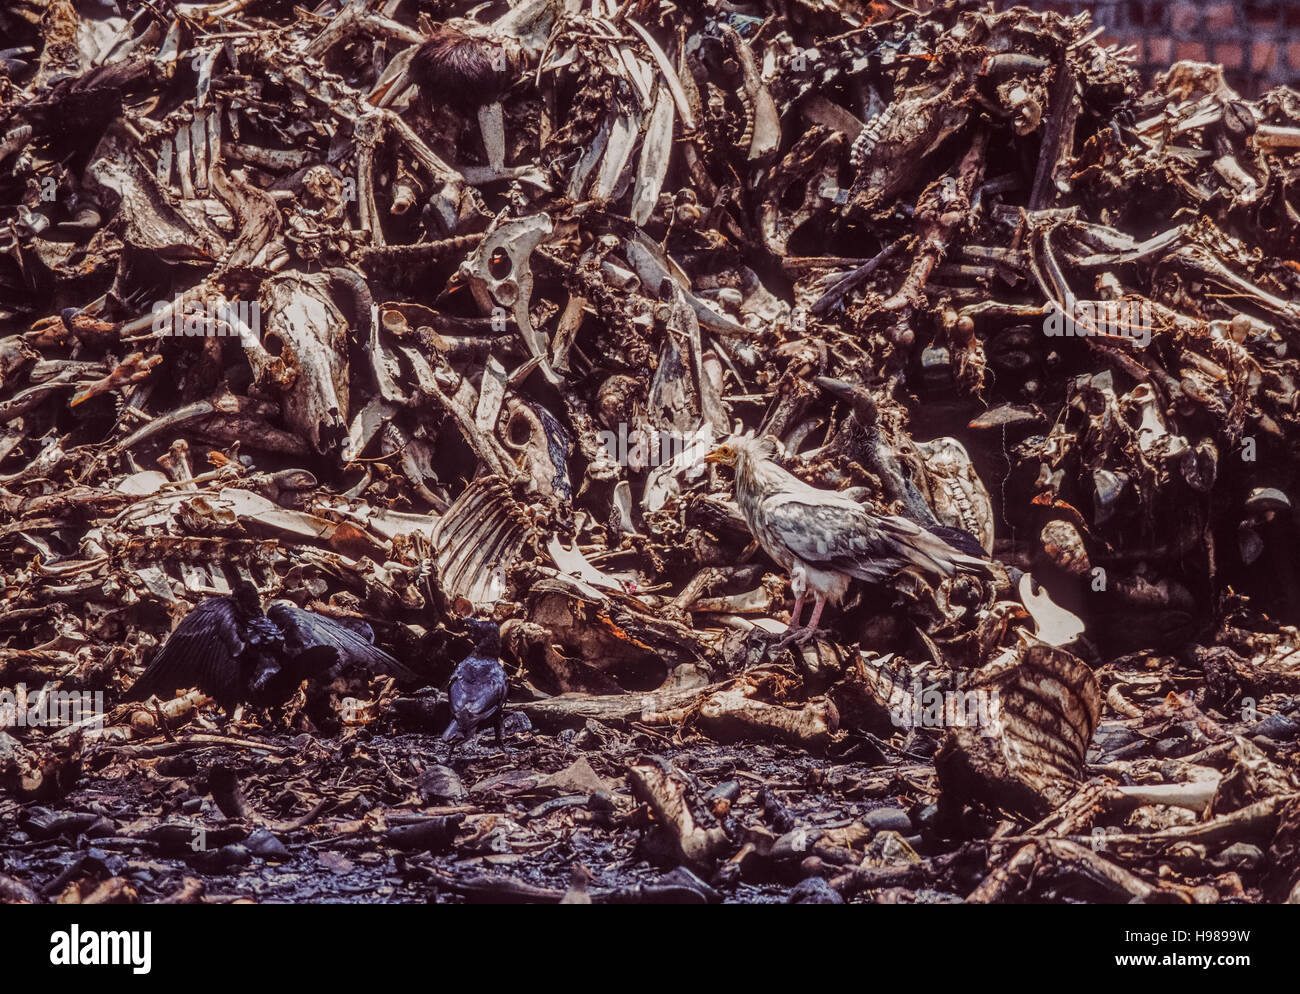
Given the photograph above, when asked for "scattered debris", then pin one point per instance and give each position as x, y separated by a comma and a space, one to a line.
424, 318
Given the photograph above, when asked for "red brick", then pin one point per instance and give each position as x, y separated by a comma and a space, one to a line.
1263, 56
1160, 51
1143, 13
1220, 16
1293, 55
1185, 17
1189, 50
1229, 55
1262, 15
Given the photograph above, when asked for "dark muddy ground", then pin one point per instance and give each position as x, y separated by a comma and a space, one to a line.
522, 829
377, 814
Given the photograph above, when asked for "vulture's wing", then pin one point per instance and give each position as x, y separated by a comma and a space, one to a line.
306, 630
841, 535
203, 651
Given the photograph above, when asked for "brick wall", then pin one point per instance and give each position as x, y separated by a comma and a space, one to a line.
1257, 42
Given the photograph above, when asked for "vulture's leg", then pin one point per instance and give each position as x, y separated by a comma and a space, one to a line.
801, 636
795, 612
817, 613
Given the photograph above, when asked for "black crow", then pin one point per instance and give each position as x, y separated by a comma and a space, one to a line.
478, 687
232, 651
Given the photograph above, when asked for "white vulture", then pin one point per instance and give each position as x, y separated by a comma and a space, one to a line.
824, 538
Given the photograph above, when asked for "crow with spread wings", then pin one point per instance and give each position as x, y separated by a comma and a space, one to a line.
233, 651
825, 539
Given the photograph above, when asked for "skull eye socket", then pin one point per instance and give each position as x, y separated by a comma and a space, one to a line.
519, 430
